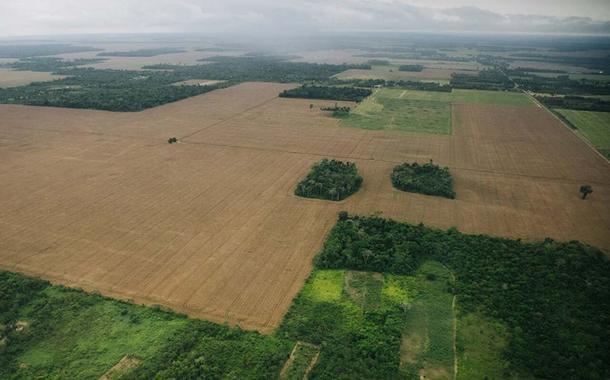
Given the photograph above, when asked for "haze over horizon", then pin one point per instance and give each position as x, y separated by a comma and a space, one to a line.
268, 18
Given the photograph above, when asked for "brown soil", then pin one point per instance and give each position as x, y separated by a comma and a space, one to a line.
210, 226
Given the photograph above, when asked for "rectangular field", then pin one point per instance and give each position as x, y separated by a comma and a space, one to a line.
210, 226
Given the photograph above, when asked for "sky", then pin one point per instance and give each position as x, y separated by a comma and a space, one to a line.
270, 17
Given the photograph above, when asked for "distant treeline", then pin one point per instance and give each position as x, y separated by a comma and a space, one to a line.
412, 68
575, 103
24, 51
141, 52
327, 92
48, 64
378, 62
484, 80
562, 84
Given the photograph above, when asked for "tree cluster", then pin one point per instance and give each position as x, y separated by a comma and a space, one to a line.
553, 297
330, 179
575, 103
429, 179
491, 79
345, 93
411, 68
141, 52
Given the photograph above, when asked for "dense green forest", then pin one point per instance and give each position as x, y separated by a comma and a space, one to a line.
575, 103
378, 62
554, 297
327, 92
429, 179
38, 50
330, 179
141, 52
412, 68
112, 90
484, 80
562, 84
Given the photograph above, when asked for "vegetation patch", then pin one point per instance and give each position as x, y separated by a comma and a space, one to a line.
76, 335
411, 68
429, 179
364, 288
37, 50
327, 92
330, 179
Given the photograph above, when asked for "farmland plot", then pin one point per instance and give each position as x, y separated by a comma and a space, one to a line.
210, 226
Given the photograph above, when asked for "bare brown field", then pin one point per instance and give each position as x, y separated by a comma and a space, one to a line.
13, 78
210, 226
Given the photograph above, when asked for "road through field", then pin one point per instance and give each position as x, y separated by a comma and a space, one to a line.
210, 226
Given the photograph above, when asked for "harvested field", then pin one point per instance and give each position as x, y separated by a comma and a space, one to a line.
210, 226
13, 78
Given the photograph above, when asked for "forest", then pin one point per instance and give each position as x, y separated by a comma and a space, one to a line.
491, 79
327, 92
575, 103
562, 84
411, 68
48, 64
553, 296
429, 179
330, 179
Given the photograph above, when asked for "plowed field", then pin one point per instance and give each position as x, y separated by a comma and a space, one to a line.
210, 226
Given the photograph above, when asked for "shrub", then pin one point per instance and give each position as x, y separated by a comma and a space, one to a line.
429, 179
330, 179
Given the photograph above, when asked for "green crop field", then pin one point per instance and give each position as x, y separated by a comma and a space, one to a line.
422, 111
387, 110
594, 126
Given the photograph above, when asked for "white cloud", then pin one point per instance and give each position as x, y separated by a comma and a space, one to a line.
28, 17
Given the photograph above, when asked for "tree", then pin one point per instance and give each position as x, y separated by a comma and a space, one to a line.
585, 190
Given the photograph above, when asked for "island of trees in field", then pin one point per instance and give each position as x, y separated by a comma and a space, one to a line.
327, 92
429, 179
330, 179
412, 68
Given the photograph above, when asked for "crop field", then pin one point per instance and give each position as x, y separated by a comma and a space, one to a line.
210, 226
12, 78
594, 126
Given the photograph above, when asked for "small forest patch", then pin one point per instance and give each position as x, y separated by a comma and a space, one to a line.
330, 179
429, 179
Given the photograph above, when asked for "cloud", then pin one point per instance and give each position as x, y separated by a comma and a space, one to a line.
269, 17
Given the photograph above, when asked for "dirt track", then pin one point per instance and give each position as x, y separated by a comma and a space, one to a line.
210, 227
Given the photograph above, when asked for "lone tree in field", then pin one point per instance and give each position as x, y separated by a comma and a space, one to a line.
585, 190
172, 140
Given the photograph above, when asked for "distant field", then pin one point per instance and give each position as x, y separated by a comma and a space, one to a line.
596, 77
594, 126
387, 110
12, 78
